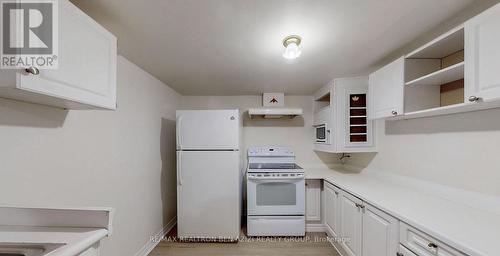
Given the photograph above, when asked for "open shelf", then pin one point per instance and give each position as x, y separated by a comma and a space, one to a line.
443, 76
442, 46
434, 75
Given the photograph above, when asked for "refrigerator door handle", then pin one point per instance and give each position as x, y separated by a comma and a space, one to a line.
179, 167
178, 132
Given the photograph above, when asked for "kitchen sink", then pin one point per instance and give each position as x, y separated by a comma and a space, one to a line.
27, 249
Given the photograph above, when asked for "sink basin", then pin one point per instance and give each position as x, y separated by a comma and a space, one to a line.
27, 249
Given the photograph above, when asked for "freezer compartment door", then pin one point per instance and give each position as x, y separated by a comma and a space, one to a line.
208, 129
208, 194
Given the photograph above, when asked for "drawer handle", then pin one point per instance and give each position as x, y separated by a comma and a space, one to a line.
399, 254
432, 245
32, 70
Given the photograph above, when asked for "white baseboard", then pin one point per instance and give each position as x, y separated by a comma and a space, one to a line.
155, 239
315, 228
337, 246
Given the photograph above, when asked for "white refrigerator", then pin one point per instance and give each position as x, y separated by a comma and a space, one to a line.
208, 174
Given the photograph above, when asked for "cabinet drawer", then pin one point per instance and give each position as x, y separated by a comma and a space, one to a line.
423, 244
405, 252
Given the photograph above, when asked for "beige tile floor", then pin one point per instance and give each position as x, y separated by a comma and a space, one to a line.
314, 244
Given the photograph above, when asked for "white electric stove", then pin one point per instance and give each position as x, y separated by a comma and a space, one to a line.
275, 193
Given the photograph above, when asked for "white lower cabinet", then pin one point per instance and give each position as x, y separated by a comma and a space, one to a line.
361, 228
351, 224
313, 200
332, 209
380, 232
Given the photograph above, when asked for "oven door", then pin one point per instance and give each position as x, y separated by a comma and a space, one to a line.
275, 194
322, 134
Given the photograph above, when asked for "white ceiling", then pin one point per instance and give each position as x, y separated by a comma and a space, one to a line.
234, 47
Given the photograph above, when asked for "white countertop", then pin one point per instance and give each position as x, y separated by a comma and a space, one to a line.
470, 230
73, 230
74, 240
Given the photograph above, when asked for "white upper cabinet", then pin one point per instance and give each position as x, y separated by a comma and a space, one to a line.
386, 91
482, 42
454, 73
340, 119
86, 73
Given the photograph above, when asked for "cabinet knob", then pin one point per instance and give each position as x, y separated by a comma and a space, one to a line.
474, 99
32, 70
432, 245
394, 113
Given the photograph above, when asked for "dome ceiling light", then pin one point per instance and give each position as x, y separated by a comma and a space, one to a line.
292, 50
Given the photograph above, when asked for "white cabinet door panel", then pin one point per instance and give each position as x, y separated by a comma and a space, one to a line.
482, 55
380, 233
87, 62
313, 200
332, 209
351, 224
386, 91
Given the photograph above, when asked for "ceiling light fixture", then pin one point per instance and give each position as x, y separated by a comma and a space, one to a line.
292, 49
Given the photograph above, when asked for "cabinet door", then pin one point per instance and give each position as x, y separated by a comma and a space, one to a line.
482, 55
386, 91
313, 200
351, 220
87, 62
332, 209
380, 233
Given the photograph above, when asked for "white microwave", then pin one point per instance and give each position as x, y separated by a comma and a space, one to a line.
322, 134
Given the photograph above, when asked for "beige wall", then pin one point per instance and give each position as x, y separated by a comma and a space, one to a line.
296, 133
123, 159
460, 150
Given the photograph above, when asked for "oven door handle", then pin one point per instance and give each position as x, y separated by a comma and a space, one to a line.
283, 179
